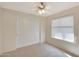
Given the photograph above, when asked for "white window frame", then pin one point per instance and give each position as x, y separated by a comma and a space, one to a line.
63, 39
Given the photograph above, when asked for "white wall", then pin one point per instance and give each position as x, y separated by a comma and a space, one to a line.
1, 31
12, 36
9, 30
67, 46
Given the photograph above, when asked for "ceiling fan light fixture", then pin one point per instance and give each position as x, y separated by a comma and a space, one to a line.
41, 8
41, 11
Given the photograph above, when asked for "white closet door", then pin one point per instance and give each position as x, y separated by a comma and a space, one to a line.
28, 30
9, 30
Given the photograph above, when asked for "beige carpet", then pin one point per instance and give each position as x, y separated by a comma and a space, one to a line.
37, 50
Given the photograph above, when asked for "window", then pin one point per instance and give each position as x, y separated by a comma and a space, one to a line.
63, 28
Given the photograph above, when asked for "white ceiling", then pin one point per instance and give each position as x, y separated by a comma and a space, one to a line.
31, 7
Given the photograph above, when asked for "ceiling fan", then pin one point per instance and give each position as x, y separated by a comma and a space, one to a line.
40, 8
